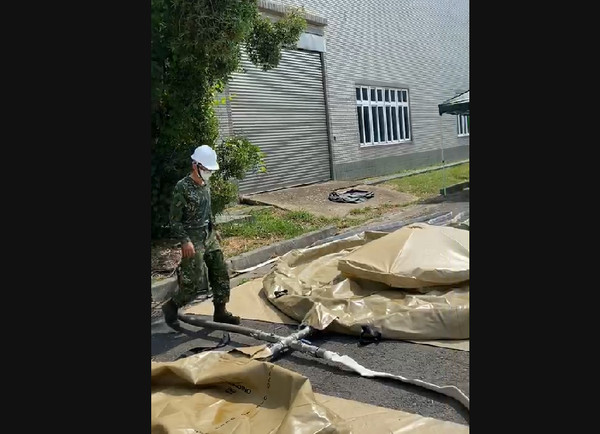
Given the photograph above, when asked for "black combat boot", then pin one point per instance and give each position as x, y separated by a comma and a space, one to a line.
221, 315
170, 313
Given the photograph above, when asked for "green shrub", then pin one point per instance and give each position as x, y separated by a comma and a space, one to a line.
195, 48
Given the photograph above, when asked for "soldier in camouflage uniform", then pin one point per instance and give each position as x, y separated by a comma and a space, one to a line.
192, 223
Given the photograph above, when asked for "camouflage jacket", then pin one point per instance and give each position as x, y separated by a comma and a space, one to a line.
190, 209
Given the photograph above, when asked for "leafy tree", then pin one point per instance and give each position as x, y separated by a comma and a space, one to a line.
235, 156
195, 48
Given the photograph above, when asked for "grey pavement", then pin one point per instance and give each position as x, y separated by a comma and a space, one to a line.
441, 366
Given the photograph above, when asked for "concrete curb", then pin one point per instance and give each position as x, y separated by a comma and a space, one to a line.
384, 227
262, 254
455, 188
163, 288
233, 218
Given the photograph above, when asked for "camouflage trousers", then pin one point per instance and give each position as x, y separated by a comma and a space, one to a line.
206, 267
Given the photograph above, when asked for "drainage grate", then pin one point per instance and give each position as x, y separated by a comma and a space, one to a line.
156, 311
156, 314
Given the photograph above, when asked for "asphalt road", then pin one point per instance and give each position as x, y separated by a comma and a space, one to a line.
433, 364
436, 365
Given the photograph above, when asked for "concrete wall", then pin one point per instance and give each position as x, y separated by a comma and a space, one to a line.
422, 45
387, 165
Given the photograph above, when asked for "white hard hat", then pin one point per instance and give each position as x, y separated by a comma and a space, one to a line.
206, 156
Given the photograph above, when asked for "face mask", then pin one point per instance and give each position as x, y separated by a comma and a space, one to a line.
205, 175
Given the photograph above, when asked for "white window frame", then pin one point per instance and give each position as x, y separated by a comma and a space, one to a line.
398, 106
462, 125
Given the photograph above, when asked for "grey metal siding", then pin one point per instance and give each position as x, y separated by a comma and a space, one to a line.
386, 165
422, 45
283, 112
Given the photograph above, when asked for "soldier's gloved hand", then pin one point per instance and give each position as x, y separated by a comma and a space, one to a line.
187, 250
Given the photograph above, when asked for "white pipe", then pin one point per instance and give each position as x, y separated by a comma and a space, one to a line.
295, 344
347, 361
451, 391
246, 270
278, 347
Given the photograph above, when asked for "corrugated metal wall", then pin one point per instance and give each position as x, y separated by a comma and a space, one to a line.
420, 44
283, 112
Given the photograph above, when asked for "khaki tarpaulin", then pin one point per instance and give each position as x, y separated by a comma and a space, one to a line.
457, 344
221, 392
218, 392
370, 419
415, 256
307, 285
248, 301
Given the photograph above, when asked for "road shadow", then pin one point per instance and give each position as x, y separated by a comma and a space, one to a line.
460, 196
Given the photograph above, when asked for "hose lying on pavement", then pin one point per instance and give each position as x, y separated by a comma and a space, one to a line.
294, 342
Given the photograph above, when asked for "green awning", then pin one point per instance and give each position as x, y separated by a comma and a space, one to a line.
458, 105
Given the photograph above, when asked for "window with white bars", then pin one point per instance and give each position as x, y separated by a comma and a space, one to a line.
383, 115
463, 125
